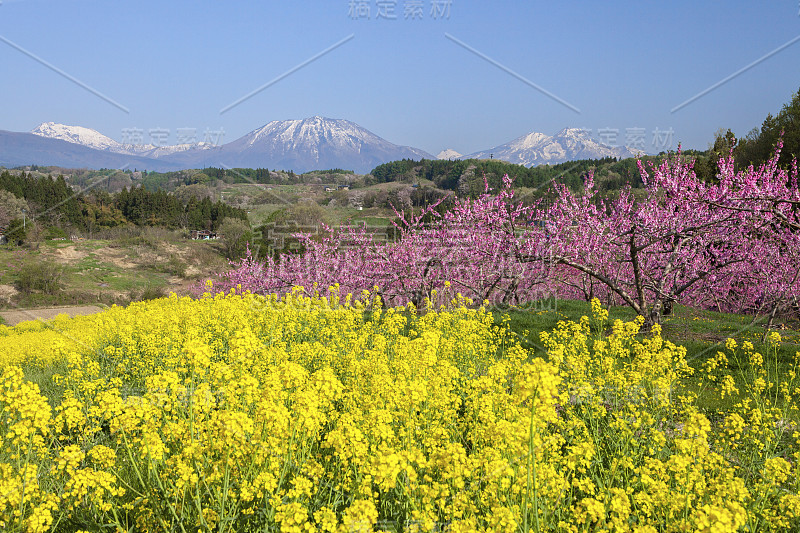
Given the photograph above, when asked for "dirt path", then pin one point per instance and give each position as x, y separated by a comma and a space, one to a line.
12, 318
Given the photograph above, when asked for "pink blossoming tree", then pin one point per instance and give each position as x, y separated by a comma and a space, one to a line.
730, 244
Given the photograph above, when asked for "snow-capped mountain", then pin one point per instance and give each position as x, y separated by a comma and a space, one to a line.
161, 151
20, 148
96, 140
78, 135
449, 153
535, 149
312, 144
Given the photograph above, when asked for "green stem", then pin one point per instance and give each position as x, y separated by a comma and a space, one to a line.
531, 476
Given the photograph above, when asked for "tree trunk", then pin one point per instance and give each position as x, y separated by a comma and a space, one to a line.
768, 325
654, 316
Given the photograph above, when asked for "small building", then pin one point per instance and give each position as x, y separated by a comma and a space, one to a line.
202, 235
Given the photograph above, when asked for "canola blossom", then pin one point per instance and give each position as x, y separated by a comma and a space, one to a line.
239, 412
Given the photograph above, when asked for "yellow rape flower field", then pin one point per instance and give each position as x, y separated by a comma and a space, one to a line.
236, 412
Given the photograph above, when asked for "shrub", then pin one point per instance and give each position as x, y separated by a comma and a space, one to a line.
149, 293
54, 232
173, 265
16, 232
236, 235
40, 276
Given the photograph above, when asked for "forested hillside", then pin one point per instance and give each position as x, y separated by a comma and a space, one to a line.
53, 203
466, 177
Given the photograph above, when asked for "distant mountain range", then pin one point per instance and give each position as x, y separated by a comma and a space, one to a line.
314, 143
98, 141
18, 149
569, 144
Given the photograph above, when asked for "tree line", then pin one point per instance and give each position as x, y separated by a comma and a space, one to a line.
209, 176
466, 177
52, 203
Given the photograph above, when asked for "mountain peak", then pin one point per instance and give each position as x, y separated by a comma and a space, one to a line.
535, 148
449, 153
76, 135
318, 142
574, 132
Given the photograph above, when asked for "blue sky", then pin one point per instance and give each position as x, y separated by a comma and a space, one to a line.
174, 65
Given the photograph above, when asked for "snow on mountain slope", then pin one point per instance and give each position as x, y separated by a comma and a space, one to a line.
17, 149
96, 140
161, 151
539, 149
315, 143
78, 135
449, 153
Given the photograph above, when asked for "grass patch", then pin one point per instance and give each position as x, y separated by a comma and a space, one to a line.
125, 264
173, 265
43, 377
